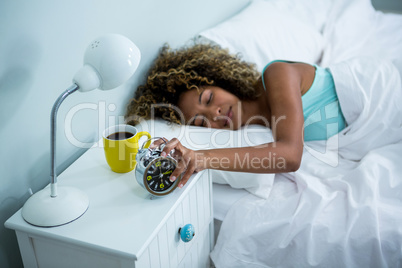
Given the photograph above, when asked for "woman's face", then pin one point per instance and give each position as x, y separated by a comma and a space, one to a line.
211, 107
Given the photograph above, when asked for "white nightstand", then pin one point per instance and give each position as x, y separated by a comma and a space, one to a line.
122, 227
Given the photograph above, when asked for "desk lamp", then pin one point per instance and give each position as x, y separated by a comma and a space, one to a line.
109, 61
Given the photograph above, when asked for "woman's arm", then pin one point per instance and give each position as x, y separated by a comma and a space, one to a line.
284, 84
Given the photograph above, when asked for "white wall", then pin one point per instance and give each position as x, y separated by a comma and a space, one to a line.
41, 47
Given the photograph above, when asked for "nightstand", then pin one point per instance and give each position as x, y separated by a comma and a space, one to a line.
123, 226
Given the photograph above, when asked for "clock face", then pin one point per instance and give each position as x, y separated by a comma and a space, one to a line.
157, 174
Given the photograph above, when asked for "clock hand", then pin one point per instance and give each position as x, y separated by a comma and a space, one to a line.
160, 172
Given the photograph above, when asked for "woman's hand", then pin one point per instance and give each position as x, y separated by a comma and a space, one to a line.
186, 159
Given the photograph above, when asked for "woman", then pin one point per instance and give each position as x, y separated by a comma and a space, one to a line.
205, 86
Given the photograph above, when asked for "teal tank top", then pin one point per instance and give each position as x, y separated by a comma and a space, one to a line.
323, 117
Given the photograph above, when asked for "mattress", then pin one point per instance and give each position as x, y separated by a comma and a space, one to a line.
224, 196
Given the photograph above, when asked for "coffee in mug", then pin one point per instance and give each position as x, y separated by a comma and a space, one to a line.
120, 136
121, 146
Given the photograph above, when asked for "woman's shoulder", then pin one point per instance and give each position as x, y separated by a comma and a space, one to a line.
287, 72
278, 70
287, 65
279, 66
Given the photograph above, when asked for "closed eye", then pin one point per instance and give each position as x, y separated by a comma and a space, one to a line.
210, 98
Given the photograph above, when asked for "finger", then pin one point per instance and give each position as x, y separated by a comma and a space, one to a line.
157, 143
172, 144
186, 177
181, 167
176, 173
189, 170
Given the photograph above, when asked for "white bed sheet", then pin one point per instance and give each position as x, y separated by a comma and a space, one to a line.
225, 197
346, 207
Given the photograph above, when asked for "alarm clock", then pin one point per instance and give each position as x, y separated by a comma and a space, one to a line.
153, 171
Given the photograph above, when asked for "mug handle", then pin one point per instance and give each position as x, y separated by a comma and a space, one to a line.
144, 133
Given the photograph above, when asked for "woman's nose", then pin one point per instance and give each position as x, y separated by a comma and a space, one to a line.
216, 112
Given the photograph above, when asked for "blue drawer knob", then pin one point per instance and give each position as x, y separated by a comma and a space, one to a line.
187, 233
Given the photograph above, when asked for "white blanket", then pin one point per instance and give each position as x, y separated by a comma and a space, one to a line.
347, 210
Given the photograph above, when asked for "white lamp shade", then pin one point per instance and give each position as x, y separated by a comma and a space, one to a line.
109, 61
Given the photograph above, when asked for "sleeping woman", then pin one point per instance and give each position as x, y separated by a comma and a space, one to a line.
204, 85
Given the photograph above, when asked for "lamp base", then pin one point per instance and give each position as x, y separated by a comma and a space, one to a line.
45, 211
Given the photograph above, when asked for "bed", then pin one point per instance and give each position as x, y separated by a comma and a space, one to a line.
343, 207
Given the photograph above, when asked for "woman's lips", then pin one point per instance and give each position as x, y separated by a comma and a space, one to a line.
228, 116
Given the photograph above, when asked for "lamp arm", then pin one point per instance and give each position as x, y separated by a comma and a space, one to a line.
53, 126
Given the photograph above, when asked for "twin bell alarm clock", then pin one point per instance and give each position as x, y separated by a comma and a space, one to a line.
153, 171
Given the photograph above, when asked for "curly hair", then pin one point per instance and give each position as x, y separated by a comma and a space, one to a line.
193, 67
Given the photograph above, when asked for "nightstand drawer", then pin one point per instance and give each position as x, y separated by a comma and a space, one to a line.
166, 248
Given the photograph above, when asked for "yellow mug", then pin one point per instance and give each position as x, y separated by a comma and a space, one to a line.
121, 146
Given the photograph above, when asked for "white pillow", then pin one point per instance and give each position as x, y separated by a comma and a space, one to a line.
269, 30
207, 138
